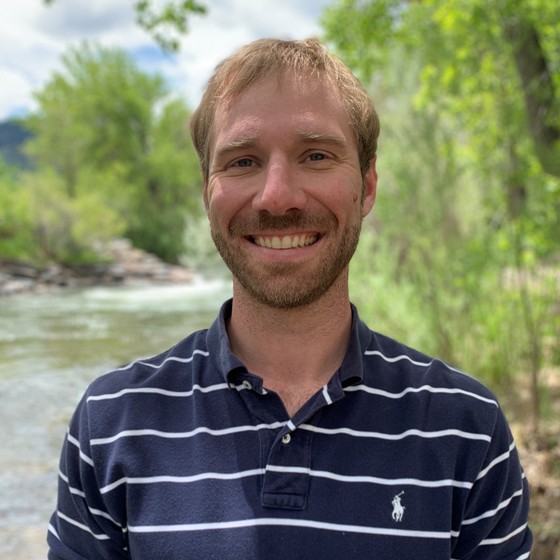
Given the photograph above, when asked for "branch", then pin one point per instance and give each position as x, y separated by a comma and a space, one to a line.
541, 101
166, 22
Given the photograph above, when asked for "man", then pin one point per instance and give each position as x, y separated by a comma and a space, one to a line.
288, 429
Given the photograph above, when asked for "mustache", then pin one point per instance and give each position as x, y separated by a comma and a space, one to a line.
296, 219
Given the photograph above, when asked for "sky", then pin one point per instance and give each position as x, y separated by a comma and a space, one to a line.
33, 38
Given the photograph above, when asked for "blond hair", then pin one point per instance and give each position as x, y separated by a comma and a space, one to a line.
305, 60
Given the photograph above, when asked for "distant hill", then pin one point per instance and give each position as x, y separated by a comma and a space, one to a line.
12, 138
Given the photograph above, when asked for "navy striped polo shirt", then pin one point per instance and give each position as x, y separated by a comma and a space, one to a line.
187, 455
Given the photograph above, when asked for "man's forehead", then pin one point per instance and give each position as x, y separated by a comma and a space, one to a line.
280, 82
235, 119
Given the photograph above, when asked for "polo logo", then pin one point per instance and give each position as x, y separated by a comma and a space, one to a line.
398, 508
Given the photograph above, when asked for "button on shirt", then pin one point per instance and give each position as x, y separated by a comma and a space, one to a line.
188, 455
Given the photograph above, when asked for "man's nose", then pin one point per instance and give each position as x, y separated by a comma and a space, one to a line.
281, 189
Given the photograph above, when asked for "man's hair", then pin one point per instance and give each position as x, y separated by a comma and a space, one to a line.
305, 60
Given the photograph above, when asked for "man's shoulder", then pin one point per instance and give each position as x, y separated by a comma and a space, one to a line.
170, 369
399, 364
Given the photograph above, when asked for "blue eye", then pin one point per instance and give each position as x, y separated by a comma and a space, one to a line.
317, 157
243, 162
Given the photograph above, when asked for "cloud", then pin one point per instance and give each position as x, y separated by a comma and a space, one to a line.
33, 38
230, 24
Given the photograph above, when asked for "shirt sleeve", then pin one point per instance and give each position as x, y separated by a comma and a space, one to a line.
82, 528
494, 524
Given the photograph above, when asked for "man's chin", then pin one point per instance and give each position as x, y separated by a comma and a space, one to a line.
293, 292
282, 301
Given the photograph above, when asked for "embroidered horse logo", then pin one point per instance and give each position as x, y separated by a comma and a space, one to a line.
398, 508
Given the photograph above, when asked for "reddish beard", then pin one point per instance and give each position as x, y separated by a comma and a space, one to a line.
282, 285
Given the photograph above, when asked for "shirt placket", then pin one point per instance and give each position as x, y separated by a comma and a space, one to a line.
286, 452
286, 477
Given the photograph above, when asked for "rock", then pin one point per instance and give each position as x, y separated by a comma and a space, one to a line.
12, 287
19, 270
122, 264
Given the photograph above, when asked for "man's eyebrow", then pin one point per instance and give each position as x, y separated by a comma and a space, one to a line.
250, 140
235, 144
323, 138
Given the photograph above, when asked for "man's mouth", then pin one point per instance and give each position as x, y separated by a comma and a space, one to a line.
285, 241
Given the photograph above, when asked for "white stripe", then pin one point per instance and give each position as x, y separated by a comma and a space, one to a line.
158, 391
181, 479
397, 358
105, 515
100, 537
497, 460
402, 435
506, 538
169, 359
524, 556
77, 492
53, 531
372, 479
427, 388
71, 439
71, 489
326, 395
416, 363
307, 523
291, 426
178, 435
283, 469
492, 512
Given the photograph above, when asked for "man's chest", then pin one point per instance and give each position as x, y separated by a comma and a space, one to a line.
281, 493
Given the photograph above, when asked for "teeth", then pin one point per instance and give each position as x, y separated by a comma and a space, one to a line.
286, 242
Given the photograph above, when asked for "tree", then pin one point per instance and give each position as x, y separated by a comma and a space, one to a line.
468, 47
173, 188
16, 239
98, 111
472, 166
102, 118
166, 21
40, 223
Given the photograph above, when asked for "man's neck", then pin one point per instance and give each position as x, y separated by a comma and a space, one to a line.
295, 351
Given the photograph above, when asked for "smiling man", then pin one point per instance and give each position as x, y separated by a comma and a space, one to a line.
289, 429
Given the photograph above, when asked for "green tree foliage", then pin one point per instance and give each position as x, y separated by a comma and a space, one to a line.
498, 57
165, 20
41, 223
466, 232
173, 187
105, 126
16, 224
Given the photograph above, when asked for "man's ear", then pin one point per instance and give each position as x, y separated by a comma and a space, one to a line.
370, 188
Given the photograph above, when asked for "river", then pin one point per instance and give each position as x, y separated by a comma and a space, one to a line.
52, 346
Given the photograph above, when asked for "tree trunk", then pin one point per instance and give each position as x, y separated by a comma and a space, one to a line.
541, 102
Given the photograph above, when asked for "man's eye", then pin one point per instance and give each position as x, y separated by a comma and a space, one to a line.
317, 156
243, 162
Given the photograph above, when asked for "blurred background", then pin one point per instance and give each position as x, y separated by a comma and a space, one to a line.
105, 253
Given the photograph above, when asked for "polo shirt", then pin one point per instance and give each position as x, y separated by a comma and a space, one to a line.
188, 455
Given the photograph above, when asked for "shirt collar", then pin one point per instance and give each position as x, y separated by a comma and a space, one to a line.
350, 372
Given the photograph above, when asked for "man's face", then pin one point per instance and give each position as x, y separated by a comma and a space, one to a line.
284, 190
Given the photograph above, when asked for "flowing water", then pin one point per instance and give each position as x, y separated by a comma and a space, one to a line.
51, 346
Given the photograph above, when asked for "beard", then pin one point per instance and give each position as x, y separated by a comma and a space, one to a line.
286, 285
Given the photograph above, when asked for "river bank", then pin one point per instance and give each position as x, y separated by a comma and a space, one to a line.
121, 264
